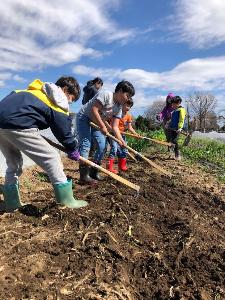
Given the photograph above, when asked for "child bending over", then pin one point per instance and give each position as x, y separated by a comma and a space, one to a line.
22, 114
103, 107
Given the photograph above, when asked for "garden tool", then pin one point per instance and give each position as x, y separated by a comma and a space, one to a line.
131, 156
149, 139
137, 154
188, 137
92, 164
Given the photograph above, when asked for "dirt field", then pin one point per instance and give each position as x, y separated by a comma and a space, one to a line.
167, 243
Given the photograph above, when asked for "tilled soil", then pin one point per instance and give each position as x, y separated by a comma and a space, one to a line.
168, 242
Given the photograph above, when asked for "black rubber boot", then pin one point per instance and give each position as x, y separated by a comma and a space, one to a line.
177, 155
84, 175
94, 173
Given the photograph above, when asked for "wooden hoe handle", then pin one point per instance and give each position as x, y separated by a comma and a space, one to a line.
136, 153
90, 163
149, 139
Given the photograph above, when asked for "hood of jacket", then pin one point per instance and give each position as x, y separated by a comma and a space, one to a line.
52, 91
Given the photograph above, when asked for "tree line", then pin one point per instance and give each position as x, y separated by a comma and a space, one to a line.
201, 114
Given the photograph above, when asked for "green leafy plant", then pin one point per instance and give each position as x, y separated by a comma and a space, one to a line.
209, 154
42, 177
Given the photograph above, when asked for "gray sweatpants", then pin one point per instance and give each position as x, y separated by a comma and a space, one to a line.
30, 142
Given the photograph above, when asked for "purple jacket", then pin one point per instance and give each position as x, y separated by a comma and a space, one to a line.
165, 114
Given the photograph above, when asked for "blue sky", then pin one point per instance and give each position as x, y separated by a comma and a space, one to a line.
160, 46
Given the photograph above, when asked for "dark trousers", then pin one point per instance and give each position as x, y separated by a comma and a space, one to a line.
173, 138
166, 130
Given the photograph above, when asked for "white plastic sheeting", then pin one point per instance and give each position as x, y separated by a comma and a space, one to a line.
210, 135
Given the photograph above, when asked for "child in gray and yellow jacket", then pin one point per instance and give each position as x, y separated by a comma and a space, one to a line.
22, 114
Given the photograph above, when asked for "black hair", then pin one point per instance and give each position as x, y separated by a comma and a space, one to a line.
95, 80
125, 87
176, 99
72, 85
130, 102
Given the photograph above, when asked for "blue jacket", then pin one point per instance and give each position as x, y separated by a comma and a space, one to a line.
32, 108
177, 118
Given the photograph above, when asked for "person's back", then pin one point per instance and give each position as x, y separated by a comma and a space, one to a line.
24, 109
178, 118
91, 89
165, 115
41, 105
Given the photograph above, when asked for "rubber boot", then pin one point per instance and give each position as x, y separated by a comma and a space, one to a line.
64, 195
94, 173
169, 149
84, 175
109, 165
122, 164
12, 197
177, 156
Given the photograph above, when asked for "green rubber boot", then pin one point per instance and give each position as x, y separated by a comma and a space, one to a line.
64, 195
12, 197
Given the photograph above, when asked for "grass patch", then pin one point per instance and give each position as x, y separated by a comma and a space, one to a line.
142, 145
208, 154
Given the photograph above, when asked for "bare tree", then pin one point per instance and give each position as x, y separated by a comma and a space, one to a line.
221, 114
221, 119
201, 104
155, 108
211, 121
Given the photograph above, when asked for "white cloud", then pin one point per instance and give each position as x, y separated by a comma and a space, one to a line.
3, 77
200, 23
197, 74
41, 34
105, 74
18, 78
204, 74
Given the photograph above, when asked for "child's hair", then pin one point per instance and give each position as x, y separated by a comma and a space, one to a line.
177, 99
72, 85
169, 98
125, 87
95, 80
129, 103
